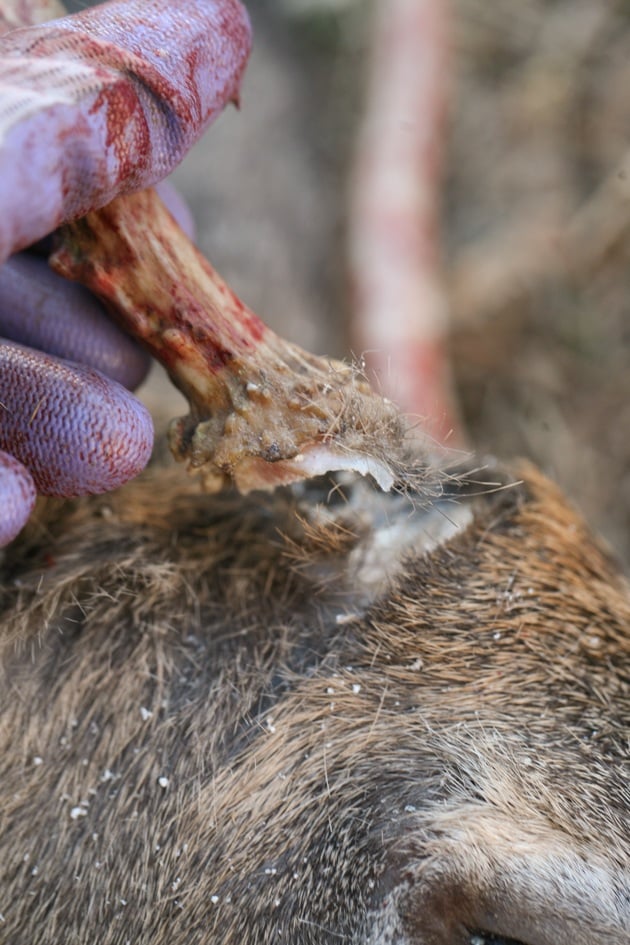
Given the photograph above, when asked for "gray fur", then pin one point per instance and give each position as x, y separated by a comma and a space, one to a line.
211, 731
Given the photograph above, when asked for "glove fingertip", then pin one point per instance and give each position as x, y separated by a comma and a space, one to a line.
17, 497
77, 431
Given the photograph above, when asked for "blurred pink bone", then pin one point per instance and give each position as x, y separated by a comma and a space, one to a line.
400, 318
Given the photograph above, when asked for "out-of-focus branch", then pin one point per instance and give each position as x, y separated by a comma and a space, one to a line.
399, 306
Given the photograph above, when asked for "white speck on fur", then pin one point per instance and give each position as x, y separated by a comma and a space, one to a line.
163, 782
214, 899
37, 760
342, 619
145, 713
77, 812
356, 688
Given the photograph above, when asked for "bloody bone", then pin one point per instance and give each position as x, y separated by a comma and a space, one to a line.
263, 411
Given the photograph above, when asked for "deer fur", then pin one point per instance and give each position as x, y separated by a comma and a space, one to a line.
229, 720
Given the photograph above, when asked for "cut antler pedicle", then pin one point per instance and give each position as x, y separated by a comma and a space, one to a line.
262, 411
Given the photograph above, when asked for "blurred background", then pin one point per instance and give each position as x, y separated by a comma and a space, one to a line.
536, 216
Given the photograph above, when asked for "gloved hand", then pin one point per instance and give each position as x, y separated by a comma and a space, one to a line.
67, 427
96, 104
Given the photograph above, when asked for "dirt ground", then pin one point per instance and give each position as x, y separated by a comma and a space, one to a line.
536, 216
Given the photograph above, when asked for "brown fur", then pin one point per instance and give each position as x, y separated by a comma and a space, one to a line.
403, 761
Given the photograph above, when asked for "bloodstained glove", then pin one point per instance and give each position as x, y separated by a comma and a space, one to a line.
93, 105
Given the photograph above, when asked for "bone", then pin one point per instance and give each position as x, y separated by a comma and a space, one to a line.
263, 412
